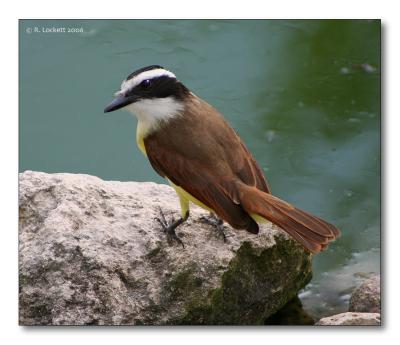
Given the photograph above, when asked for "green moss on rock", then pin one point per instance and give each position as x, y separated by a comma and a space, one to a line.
255, 286
184, 283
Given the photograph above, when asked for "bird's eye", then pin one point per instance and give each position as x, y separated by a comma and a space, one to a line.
145, 83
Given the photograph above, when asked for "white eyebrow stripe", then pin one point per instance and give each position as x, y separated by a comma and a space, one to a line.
154, 73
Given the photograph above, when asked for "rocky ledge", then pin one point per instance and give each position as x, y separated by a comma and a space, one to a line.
91, 252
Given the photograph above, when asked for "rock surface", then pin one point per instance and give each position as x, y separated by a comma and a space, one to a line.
367, 297
91, 252
351, 319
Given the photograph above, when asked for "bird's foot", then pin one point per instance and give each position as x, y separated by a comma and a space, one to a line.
169, 227
217, 223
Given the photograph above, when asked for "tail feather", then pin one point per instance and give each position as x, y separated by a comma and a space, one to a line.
312, 232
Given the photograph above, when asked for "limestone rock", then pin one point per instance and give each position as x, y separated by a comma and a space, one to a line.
351, 319
367, 297
91, 252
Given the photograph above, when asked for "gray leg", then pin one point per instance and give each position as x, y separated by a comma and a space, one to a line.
216, 222
169, 228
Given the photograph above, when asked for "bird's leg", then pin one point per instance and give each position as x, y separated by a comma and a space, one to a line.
169, 228
216, 222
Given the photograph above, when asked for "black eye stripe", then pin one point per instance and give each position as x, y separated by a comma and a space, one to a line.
146, 83
158, 87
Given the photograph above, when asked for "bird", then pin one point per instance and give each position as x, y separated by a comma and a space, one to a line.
191, 144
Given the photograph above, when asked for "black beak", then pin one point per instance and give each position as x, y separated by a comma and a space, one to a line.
119, 102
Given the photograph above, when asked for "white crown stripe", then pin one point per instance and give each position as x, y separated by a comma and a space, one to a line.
154, 73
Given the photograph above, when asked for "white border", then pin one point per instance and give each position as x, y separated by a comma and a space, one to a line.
386, 10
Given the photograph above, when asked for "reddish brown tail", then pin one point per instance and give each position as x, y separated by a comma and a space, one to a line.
312, 232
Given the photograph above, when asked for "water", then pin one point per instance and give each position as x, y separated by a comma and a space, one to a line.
303, 95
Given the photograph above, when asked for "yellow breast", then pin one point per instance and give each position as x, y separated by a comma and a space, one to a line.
141, 131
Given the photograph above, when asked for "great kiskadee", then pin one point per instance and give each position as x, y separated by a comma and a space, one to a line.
189, 143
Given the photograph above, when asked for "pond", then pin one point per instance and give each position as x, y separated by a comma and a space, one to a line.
303, 94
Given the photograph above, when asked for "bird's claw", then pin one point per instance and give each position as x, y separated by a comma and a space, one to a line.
169, 228
216, 223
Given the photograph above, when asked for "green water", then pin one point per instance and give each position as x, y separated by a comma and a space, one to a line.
304, 96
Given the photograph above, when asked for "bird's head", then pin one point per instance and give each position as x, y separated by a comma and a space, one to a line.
150, 92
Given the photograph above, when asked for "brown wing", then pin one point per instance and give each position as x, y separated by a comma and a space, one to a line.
214, 141
199, 181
